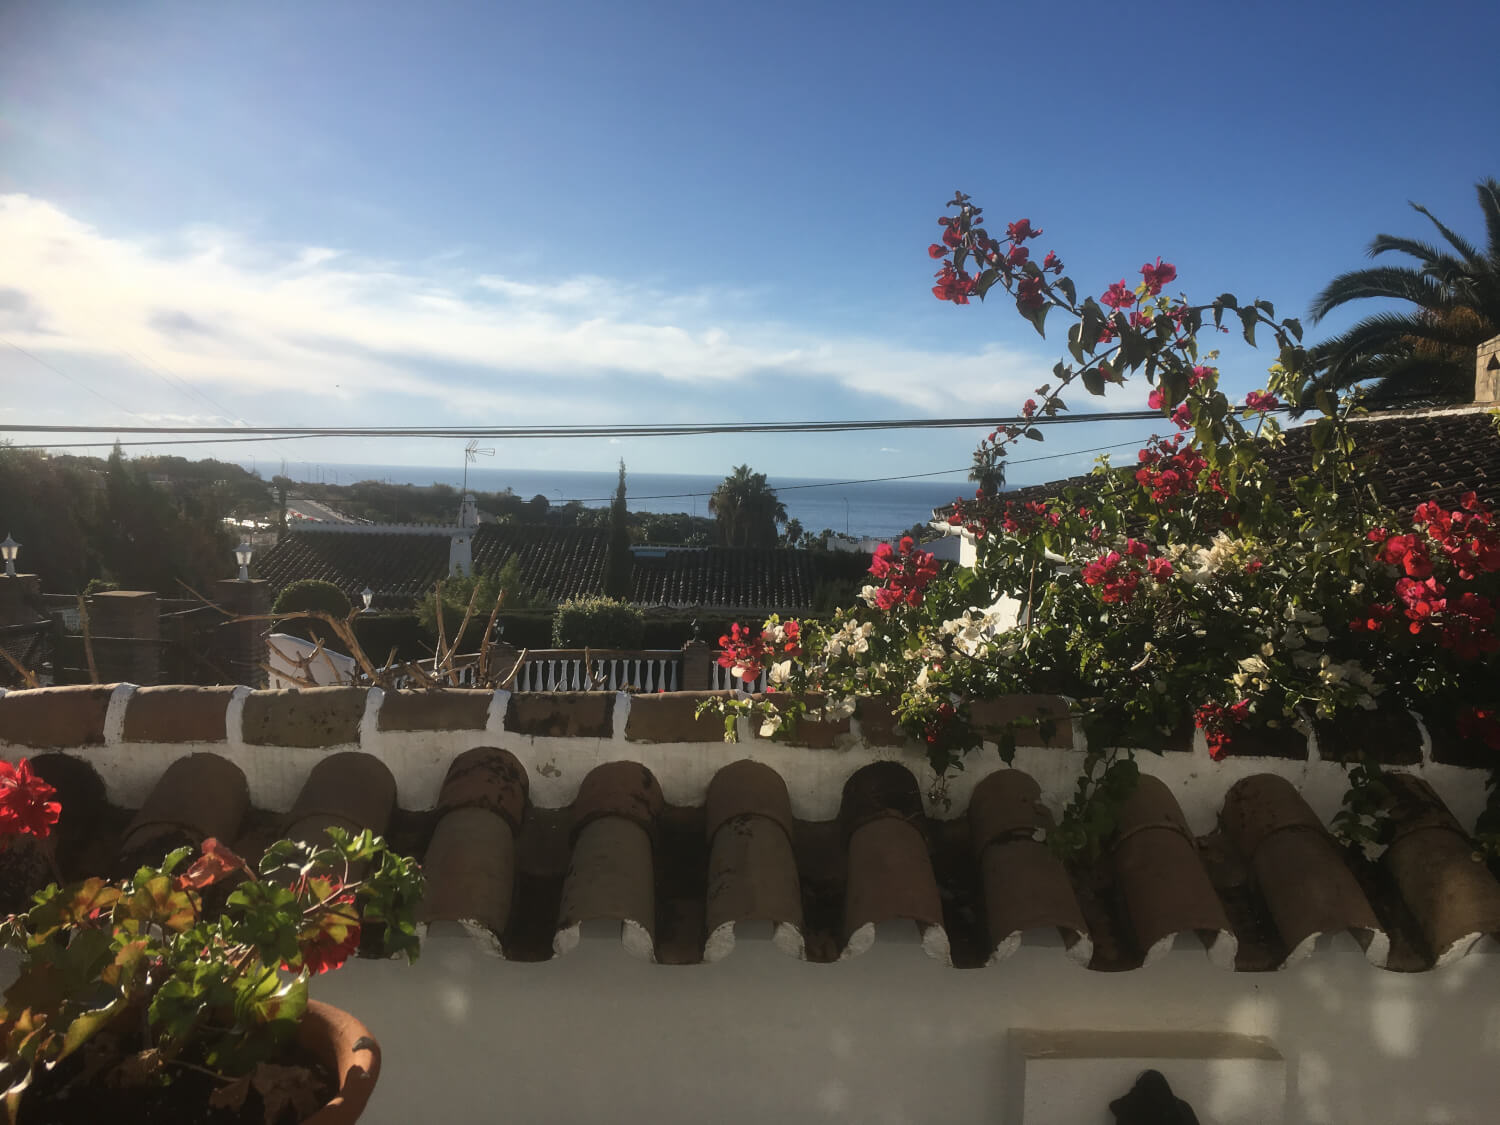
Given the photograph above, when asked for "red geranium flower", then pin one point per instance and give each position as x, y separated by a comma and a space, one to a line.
26, 804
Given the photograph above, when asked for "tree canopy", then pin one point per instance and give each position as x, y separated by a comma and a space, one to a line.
747, 509
1424, 353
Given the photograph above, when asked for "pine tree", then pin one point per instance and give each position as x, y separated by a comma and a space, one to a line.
619, 565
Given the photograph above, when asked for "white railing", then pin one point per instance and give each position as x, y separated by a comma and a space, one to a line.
586, 670
569, 670
722, 679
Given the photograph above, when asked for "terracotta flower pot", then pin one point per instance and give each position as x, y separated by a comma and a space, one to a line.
346, 1047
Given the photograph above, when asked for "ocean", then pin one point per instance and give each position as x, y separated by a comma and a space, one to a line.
880, 509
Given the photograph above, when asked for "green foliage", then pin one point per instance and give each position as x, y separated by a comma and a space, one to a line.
312, 593
747, 509
318, 595
221, 989
619, 565
597, 623
1425, 351
483, 590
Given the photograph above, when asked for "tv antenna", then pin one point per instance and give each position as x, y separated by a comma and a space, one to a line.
472, 451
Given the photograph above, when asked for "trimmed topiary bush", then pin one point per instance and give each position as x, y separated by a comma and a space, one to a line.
597, 623
312, 594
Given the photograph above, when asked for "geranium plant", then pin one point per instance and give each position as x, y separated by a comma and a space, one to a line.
1194, 586
199, 964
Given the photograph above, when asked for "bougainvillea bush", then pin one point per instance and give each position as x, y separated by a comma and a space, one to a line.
200, 964
1192, 586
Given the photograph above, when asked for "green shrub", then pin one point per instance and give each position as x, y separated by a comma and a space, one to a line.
312, 594
597, 623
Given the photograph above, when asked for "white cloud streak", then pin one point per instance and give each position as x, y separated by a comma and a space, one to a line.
225, 313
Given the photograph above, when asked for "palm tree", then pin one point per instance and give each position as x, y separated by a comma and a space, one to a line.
747, 509
1426, 353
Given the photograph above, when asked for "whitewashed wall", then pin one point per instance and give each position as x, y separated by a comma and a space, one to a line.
894, 1037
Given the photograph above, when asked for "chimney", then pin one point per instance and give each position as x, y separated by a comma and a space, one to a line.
1487, 372
468, 511
460, 553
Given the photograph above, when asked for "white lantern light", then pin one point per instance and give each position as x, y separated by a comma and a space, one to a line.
367, 595
8, 550
242, 555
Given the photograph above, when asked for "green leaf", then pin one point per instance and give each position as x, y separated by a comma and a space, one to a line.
1068, 289
1248, 321
1034, 435
1294, 326
1075, 342
1226, 301
1037, 316
1093, 381
87, 1024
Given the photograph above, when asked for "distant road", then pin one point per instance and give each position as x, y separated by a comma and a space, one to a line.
313, 510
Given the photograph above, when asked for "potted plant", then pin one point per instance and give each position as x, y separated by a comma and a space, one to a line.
181, 992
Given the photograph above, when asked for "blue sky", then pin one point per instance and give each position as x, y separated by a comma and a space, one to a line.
451, 214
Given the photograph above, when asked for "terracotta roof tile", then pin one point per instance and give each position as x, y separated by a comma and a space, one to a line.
1298, 869
1164, 886
557, 563
752, 873
198, 796
1415, 456
680, 882
1441, 877
1024, 885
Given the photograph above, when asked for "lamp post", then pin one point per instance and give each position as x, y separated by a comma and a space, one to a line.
8, 549
367, 596
242, 555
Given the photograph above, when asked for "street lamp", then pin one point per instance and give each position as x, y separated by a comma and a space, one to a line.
8, 549
367, 596
242, 555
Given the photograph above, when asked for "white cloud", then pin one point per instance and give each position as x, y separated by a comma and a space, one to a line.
317, 321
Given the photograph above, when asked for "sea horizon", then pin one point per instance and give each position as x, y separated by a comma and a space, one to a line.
862, 508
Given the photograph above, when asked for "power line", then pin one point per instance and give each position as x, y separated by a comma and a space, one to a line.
653, 430
58, 371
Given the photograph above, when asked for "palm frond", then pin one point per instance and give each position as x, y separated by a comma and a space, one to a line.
1396, 282
1489, 203
1466, 248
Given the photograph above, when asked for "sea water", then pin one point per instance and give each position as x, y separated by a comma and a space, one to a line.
879, 509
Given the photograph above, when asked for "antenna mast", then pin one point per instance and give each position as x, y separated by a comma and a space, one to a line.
471, 451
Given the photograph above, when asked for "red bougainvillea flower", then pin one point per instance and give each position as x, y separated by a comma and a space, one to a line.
936, 250
1157, 398
1216, 722
1119, 295
1482, 724
27, 807
1114, 577
1198, 374
905, 572
1155, 276
1029, 296
1017, 255
1261, 402
1020, 231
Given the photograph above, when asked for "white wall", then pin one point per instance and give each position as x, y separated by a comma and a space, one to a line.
892, 1036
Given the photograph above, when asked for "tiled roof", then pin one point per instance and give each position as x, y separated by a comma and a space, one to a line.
741, 844
557, 562
1416, 456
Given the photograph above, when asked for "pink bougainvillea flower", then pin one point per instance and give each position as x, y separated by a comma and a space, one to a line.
1029, 296
27, 807
1052, 262
1119, 295
1155, 276
1260, 402
936, 250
